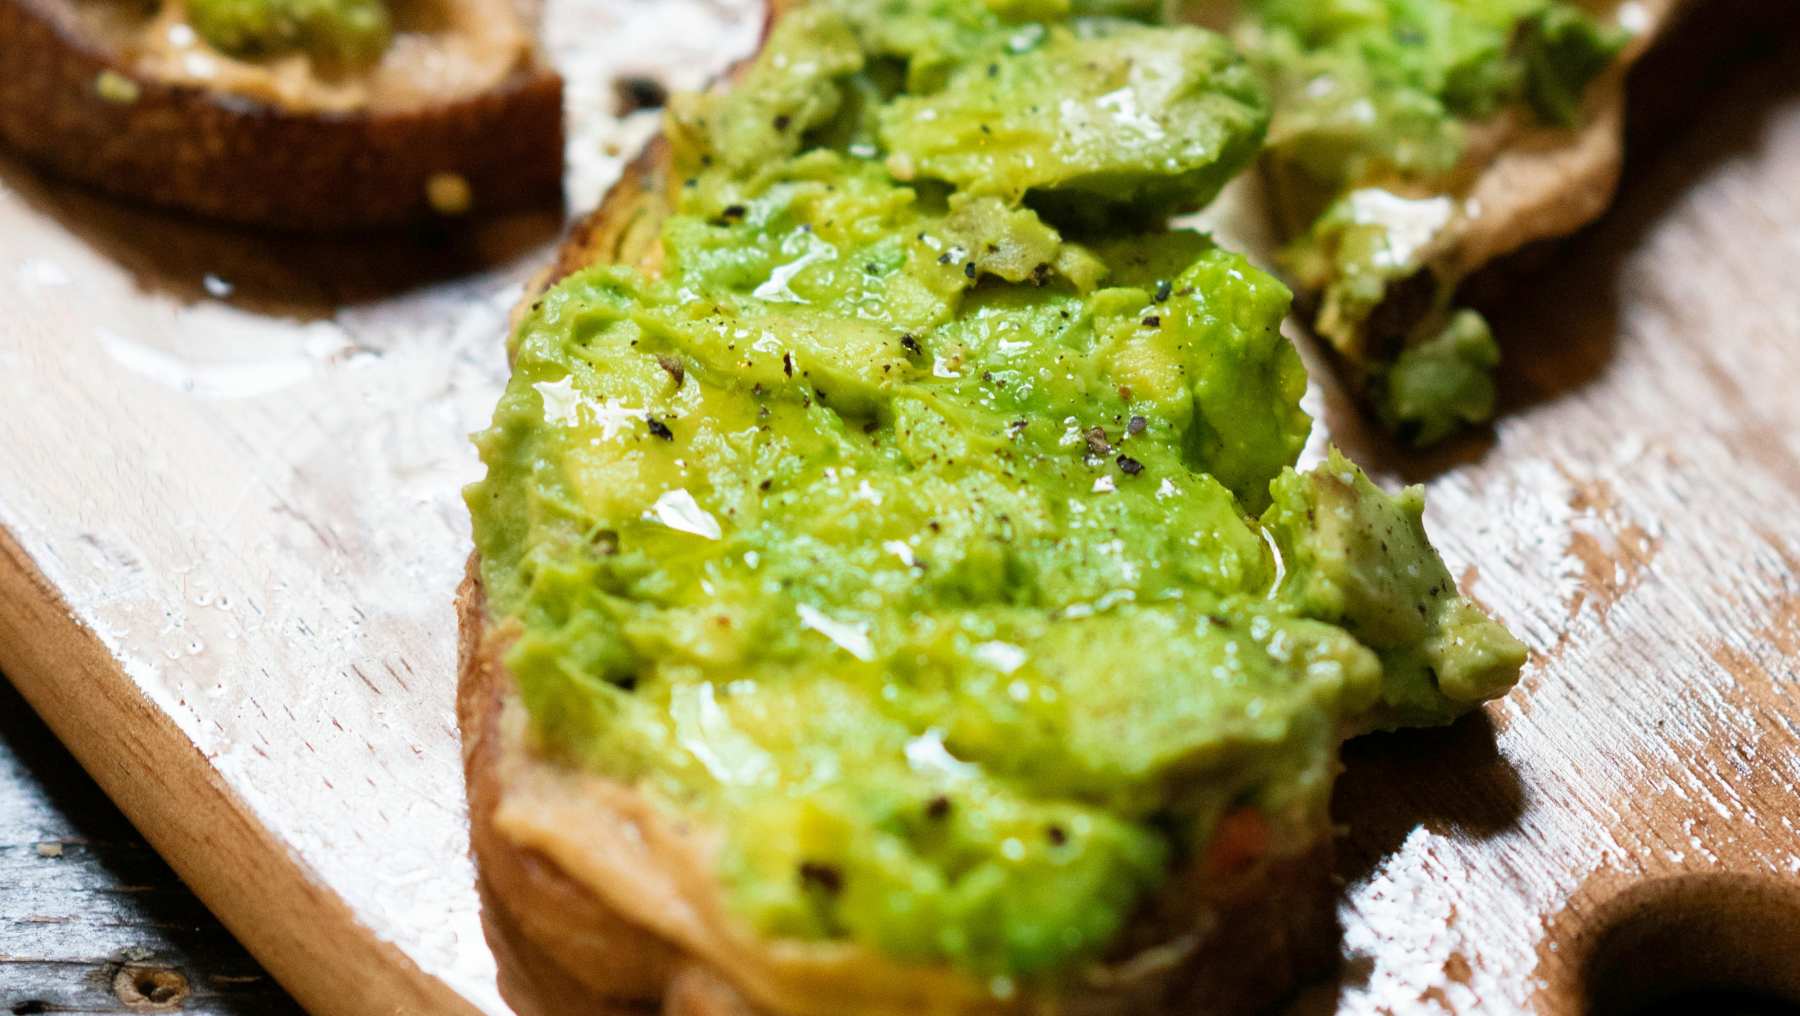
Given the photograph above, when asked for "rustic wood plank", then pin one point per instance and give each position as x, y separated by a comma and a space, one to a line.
229, 532
91, 919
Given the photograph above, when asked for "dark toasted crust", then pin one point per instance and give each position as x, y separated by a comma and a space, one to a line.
627, 227
564, 950
229, 158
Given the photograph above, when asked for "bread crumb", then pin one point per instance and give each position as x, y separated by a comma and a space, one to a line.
115, 87
49, 850
449, 193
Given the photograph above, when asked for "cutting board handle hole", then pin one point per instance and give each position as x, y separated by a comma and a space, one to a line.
1695, 944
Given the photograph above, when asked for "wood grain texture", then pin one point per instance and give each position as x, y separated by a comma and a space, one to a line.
231, 535
91, 920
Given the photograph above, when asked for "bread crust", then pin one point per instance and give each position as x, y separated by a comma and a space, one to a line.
242, 161
1520, 183
1246, 940
1540, 183
1209, 944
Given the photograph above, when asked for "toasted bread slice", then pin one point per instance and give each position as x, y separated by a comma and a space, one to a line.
1534, 182
597, 902
460, 114
1519, 182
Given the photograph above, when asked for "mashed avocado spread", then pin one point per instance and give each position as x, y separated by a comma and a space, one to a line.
927, 520
334, 31
1374, 104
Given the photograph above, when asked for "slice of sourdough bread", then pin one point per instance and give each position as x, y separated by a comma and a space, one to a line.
461, 114
598, 902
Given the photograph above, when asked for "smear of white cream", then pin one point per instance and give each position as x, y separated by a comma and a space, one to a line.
1411, 224
928, 756
678, 510
566, 406
1002, 656
901, 550
1123, 105
704, 729
562, 403
851, 638
776, 288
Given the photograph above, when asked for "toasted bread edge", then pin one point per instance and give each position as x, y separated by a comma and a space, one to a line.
71, 107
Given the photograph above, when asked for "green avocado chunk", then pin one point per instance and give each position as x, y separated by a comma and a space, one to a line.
1151, 119
939, 547
341, 32
1373, 103
1359, 558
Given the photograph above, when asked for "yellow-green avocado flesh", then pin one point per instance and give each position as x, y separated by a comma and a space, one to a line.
335, 32
927, 522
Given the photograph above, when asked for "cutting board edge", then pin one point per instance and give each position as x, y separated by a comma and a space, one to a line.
207, 834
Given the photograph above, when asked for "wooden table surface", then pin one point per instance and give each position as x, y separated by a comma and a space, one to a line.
91, 919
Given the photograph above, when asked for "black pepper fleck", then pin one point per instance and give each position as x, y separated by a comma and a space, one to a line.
1130, 466
1153, 322
827, 877
659, 428
1136, 425
632, 92
1163, 289
910, 344
787, 364
1057, 836
969, 269
674, 369
938, 807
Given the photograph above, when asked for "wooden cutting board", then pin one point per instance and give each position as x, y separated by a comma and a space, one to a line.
230, 530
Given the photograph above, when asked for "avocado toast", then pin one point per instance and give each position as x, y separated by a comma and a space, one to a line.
1415, 142
297, 114
892, 590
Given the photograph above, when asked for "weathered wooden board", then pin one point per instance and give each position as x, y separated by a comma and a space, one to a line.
230, 528
91, 919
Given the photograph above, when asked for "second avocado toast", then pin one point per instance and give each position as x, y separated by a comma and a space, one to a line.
1415, 142
893, 593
